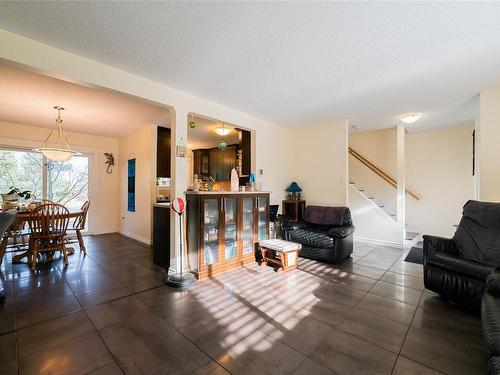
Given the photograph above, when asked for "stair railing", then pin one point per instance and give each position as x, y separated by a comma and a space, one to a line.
379, 172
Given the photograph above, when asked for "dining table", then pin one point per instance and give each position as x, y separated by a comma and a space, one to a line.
23, 216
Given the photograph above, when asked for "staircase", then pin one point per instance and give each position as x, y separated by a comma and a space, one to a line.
412, 235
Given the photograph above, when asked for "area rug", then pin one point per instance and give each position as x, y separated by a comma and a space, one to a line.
416, 255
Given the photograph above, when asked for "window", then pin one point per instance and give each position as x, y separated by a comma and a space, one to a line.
65, 183
21, 169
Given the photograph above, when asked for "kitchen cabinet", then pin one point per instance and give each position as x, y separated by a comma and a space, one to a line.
161, 235
214, 162
163, 157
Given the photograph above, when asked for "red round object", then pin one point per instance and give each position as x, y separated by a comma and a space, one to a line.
178, 205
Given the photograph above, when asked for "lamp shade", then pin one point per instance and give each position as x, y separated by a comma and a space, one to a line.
294, 188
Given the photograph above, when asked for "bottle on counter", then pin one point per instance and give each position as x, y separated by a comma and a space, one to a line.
196, 183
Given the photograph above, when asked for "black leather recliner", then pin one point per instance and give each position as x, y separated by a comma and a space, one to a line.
490, 320
457, 268
325, 233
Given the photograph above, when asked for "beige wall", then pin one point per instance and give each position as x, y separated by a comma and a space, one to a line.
438, 170
379, 147
488, 146
104, 201
141, 146
271, 142
319, 163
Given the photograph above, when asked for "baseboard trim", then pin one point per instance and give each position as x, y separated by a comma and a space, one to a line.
136, 237
381, 242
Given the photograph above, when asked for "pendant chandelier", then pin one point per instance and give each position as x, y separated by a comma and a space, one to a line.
62, 152
223, 144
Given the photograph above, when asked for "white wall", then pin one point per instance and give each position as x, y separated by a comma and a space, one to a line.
319, 163
371, 222
489, 149
141, 146
104, 202
438, 170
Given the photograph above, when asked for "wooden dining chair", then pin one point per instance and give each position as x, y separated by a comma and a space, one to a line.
6, 220
79, 224
48, 224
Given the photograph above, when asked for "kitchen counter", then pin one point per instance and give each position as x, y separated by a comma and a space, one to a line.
225, 192
162, 204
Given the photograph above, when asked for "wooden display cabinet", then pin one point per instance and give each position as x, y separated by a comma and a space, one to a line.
223, 230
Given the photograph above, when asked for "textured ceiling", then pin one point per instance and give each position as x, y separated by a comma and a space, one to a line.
293, 63
28, 98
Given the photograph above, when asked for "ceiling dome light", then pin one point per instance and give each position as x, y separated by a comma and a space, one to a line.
222, 130
62, 152
410, 118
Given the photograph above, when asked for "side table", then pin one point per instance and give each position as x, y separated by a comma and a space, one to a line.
293, 209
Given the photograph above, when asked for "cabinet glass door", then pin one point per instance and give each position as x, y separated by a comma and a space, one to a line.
262, 217
230, 228
211, 230
248, 225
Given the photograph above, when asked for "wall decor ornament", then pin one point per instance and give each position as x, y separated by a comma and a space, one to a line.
131, 186
192, 123
181, 149
110, 162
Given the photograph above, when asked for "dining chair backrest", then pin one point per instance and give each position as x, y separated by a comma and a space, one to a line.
6, 219
79, 222
49, 220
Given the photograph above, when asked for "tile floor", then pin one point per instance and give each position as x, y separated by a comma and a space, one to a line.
109, 313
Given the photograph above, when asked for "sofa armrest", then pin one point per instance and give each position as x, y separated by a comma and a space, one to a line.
341, 232
493, 283
288, 227
441, 244
293, 226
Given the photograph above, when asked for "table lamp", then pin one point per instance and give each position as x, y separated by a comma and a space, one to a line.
294, 189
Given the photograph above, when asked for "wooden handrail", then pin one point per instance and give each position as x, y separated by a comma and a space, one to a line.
379, 172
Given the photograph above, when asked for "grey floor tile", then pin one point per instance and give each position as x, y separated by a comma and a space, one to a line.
109, 369
52, 334
300, 333
377, 330
97, 297
42, 304
347, 354
10, 368
81, 355
387, 308
117, 311
249, 320
335, 291
148, 346
409, 269
265, 356
447, 352
405, 366
403, 280
354, 281
396, 292
8, 349
360, 270
309, 367
211, 368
